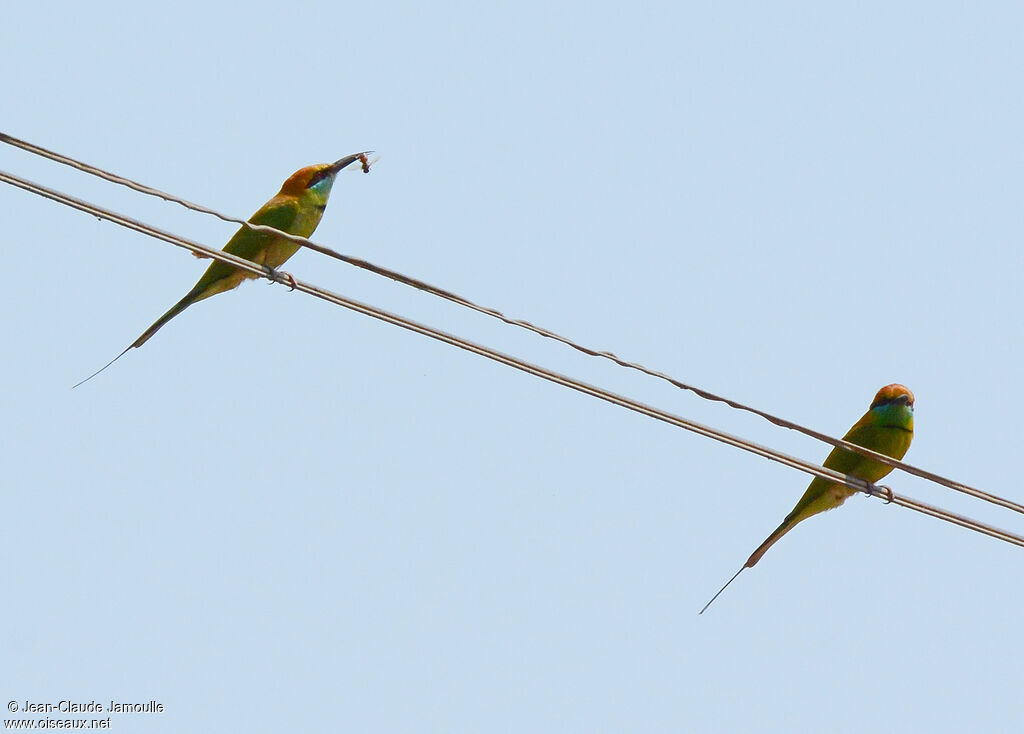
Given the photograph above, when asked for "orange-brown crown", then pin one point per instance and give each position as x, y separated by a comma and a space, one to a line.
299, 181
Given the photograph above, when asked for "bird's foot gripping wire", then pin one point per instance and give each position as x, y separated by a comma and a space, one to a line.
879, 490
280, 276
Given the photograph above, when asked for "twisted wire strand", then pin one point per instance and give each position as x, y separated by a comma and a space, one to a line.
808, 467
494, 313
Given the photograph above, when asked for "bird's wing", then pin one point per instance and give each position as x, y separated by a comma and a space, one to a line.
883, 439
248, 244
278, 213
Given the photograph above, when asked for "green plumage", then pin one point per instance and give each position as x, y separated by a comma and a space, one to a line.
887, 428
261, 248
296, 209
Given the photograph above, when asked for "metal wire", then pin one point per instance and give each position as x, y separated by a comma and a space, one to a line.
494, 313
502, 358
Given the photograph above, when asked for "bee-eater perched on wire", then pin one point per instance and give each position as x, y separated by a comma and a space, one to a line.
887, 427
296, 209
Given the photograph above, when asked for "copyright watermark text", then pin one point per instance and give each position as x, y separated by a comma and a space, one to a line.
91, 713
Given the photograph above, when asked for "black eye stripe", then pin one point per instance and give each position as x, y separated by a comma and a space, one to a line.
901, 400
317, 178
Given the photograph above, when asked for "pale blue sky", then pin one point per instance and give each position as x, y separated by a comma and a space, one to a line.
282, 516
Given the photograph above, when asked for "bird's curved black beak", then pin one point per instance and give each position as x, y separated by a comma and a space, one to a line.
349, 160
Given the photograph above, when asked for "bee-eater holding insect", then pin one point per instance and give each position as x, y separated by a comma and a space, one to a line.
296, 209
887, 427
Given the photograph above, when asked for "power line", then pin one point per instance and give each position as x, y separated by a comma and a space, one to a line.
559, 379
494, 313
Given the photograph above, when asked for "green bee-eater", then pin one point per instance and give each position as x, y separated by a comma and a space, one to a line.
887, 427
296, 209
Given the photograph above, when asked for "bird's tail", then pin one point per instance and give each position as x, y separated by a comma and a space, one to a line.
101, 368
784, 528
173, 311
724, 587
177, 308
